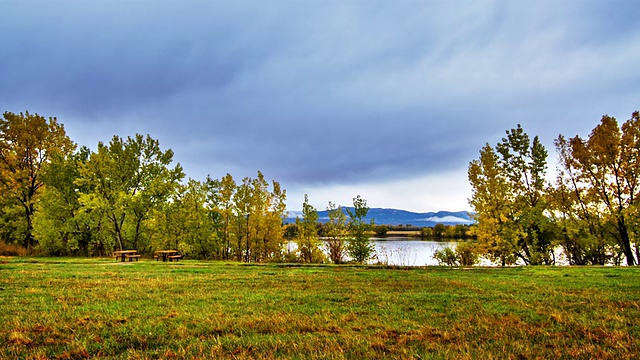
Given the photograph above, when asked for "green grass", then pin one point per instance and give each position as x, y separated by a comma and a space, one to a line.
88, 308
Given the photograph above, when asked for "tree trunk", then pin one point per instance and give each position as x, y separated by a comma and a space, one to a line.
28, 238
29, 210
118, 234
625, 242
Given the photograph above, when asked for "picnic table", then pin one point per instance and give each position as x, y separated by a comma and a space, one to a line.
167, 255
126, 254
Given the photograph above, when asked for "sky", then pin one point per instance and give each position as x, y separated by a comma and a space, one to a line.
389, 100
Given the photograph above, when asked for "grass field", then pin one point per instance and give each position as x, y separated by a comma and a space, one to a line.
88, 308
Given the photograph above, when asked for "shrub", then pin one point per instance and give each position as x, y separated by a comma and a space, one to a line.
464, 254
446, 256
12, 250
467, 254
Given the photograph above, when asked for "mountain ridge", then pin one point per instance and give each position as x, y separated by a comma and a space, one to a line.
386, 216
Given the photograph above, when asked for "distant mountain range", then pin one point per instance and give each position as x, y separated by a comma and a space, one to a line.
402, 217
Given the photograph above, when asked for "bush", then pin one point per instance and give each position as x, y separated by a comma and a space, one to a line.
12, 250
446, 256
465, 254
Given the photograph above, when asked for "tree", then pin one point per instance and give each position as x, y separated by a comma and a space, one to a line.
360, 248
439, 230
579, 224
381, 230
490, 200
605, 168
221, 193
27, 144
273, 234
446, 256
308, 241
128, 180
185, 222
243, 210
335, 232
509, 200
59, 227
267, 214
525, 163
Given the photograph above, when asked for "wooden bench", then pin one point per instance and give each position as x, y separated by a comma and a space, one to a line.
133, 256
176, 257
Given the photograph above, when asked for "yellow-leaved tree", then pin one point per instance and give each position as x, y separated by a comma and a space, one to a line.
27, 144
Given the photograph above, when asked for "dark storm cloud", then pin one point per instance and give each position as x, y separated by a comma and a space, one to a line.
328, 92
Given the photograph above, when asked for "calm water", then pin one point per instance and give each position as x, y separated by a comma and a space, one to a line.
401, 251
407, 252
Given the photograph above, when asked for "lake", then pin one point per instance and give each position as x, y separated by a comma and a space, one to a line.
401, 251
406, 252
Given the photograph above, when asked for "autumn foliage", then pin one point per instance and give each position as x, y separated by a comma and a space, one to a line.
590, 212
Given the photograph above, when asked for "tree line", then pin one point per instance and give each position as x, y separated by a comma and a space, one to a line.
58, 199
591, 211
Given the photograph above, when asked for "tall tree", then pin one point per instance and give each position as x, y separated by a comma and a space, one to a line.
129, 178
607, 164
185, 222
221, 196
581, 233
490, 201
308, 241
273, 230
242, 202
360, 248
336, 231
513, 223
58, 225
27, 143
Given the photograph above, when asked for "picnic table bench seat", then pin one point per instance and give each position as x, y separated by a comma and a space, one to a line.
174, 257
133, 256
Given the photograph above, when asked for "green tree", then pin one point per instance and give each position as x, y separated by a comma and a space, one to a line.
446, 256
221, 196
464, 254
439, 230
336, 230
59, 226
27, 144
426, 232
509, 198
381, 230
267, 207
242, 210
524, 163
360, 247
128, 180
308, 241
186, 222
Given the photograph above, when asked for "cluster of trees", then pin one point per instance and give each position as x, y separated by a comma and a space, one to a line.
438, 231
57, 199
345, 237
591, 211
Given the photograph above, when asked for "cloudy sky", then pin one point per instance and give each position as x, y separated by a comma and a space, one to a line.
390, 100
